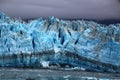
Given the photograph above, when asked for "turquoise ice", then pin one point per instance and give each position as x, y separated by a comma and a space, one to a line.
78, 43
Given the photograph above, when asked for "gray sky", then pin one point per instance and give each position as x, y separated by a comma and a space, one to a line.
68, 9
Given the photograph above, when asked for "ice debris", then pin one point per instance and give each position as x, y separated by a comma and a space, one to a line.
78, 43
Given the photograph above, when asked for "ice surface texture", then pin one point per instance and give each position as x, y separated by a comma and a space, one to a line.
51, 41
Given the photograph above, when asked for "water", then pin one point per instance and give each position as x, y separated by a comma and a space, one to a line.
49, 74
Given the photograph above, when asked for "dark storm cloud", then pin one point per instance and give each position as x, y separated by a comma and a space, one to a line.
68, 9
118, 0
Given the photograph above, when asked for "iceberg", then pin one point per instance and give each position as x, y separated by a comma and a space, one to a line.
62, 43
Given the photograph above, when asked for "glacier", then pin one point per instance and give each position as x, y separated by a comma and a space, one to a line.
62, 43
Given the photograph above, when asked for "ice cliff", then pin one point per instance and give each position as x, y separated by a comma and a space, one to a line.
51, 41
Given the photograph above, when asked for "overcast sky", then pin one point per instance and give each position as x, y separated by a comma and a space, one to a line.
68, 9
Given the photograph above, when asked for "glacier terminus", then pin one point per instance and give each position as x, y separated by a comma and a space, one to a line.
62, 43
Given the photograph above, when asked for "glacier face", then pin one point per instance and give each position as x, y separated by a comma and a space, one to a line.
53, 41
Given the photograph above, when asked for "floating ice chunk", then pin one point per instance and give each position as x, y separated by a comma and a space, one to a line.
67, 76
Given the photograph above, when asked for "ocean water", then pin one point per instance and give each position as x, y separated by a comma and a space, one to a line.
49, 74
